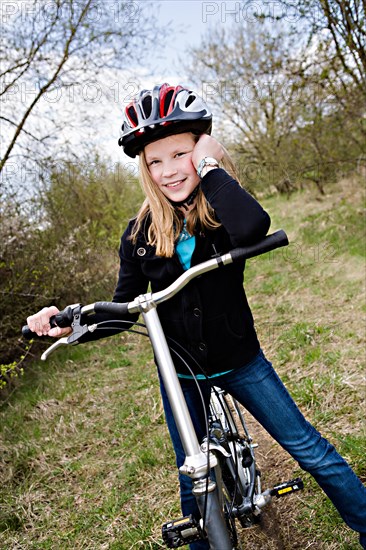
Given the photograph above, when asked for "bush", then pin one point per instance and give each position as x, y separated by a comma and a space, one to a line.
65, 249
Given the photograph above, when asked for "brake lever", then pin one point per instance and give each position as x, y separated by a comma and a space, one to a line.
55, 345
78, 330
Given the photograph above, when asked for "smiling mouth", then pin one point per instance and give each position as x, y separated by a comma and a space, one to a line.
174, 184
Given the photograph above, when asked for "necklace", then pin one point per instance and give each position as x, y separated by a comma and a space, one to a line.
184, 235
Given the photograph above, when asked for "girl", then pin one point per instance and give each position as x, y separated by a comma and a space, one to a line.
194, 210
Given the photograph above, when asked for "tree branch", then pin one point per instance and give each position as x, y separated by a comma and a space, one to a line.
44, 88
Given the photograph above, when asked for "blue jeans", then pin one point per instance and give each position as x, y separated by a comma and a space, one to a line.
258, 388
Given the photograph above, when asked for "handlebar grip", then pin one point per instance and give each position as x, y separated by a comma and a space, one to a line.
271, 242
28, 334
115, 308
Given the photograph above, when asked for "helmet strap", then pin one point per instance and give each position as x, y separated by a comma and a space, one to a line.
188, 201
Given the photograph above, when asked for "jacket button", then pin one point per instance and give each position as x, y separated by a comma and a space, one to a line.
141, 251
197, 312
202, 346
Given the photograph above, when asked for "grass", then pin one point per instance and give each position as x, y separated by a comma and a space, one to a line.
76, 451
86, 462
312, 324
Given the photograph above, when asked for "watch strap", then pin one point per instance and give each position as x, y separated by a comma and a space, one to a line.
206, 161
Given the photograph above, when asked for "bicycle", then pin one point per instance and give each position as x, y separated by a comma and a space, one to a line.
223, 469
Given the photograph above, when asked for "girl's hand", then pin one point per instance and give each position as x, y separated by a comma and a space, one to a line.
40, 323
207, 146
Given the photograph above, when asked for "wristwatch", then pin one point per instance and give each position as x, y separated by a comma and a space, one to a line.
206, 161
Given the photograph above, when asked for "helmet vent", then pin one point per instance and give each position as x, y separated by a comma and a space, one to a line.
146, 106
132, 115
190, 100
167, 101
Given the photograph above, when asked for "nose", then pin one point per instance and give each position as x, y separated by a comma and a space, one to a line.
169, 169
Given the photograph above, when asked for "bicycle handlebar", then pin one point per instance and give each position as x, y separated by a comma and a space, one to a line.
111, 307
270, 242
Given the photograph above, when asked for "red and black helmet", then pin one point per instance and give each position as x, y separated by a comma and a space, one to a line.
161, 112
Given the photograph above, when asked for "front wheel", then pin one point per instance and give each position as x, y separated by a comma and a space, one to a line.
221, 534
238, 477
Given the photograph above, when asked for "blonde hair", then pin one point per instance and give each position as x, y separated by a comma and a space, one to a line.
166, 220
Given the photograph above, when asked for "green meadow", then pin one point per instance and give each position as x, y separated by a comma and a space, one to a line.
86, 461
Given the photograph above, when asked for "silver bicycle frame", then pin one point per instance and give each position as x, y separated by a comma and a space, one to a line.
196, 461
196, 465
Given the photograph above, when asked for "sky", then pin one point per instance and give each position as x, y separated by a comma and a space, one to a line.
189, 20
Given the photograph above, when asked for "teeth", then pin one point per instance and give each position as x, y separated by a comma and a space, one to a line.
174, 184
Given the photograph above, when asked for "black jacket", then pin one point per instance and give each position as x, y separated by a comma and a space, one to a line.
210, 318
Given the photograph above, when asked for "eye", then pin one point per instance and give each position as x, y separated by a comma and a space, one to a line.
153, 162
182, 153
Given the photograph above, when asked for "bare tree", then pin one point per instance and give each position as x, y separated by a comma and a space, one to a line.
335, 32
243, 70
339, 27
292, 104
52, 48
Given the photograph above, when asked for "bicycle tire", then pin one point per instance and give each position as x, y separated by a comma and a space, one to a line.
237, 475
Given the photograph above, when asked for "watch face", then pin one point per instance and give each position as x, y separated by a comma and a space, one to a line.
207, 161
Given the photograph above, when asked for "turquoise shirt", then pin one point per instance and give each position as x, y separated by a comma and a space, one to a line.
185, 247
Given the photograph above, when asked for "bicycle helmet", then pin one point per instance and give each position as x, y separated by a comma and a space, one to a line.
161, 112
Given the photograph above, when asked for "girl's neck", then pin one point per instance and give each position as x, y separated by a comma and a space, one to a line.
188, 203
187, 208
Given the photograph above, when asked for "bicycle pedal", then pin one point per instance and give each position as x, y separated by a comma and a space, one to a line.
181, 532
287, 488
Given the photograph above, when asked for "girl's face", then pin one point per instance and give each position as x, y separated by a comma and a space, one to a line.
170, 165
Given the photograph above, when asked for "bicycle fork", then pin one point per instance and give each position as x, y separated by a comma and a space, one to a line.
196, 464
